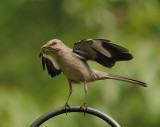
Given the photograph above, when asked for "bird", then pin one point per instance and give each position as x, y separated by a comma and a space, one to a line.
59, 58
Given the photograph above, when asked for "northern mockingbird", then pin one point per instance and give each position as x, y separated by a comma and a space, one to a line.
57, 58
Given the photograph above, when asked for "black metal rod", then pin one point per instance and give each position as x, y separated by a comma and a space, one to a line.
89, 110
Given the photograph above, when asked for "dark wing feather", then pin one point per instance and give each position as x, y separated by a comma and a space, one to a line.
101, 51
102, 59
118, 52
50, 63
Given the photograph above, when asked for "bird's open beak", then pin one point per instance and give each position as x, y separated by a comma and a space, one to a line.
44, 46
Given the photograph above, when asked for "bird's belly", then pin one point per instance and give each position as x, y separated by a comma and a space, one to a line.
77, 74
74, 75
75, 70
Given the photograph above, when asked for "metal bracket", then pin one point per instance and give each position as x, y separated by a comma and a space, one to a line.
89, 110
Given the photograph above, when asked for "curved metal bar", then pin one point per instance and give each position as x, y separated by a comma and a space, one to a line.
89, 110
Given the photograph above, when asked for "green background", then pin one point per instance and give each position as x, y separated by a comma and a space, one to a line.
26, 92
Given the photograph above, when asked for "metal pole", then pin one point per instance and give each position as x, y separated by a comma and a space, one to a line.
89, 110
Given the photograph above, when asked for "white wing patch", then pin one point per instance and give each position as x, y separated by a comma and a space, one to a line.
100, 48
52, 59
49, 62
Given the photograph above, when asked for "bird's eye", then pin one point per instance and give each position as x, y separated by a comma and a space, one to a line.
53, 43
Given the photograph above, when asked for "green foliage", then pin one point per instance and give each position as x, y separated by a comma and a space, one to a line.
26, 92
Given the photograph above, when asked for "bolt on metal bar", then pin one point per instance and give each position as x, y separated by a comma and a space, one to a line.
77, 108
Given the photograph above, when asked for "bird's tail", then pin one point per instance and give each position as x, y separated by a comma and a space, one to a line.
102, 75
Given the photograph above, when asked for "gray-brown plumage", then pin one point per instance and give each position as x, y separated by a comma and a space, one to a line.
57, 58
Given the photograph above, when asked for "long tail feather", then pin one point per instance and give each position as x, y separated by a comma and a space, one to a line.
111, 76
102, 75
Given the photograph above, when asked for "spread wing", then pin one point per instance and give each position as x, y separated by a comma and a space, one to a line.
50, 63
101, 51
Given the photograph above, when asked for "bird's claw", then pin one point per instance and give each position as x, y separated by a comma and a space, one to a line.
65, 107
84, 108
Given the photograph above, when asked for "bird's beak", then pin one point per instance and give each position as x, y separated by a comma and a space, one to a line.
44, 46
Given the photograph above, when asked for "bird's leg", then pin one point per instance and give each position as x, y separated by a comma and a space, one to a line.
70, 92
84, 107
86, 89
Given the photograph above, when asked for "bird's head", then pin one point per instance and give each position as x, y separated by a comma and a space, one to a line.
53, 45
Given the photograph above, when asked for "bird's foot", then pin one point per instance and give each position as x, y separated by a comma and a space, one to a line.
84, 108
65, 107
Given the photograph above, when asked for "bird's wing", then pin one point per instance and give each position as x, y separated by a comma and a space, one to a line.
50, 63
101, 51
